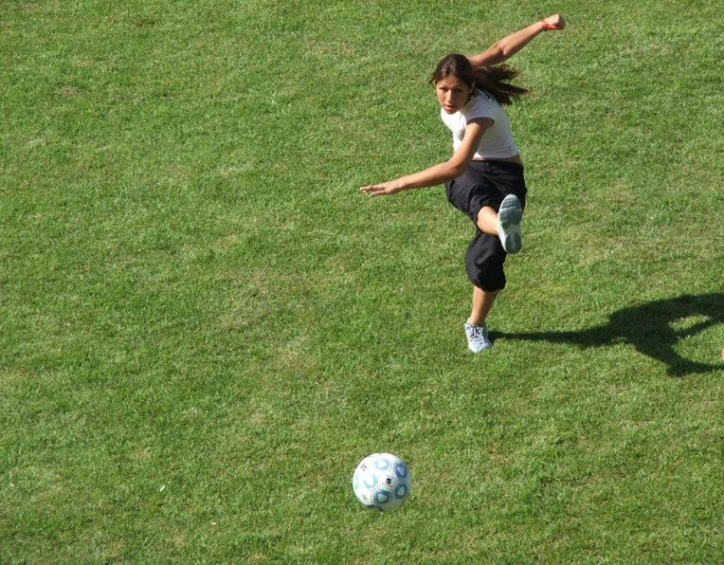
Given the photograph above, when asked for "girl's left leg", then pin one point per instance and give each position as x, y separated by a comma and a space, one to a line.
488, 220
505, 223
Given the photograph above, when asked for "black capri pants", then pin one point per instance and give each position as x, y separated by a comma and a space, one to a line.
486, 183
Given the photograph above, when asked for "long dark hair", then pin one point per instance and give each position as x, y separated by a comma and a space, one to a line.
493, 79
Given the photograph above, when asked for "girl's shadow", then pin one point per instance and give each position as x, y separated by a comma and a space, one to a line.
653, 329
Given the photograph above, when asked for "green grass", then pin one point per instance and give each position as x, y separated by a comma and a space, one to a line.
204, 327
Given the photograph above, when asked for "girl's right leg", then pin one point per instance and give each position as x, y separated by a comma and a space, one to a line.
476, 330
482, 303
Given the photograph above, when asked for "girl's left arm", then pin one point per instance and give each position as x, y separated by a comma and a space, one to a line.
442, 172
502, 50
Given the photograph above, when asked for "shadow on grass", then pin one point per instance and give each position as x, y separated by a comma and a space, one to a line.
653, 329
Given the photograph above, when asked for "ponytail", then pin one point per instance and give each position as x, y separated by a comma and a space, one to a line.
495, 81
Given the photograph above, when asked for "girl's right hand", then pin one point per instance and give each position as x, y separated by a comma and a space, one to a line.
381, 189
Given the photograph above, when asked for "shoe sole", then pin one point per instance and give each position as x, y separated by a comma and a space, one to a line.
509, 217
475, 350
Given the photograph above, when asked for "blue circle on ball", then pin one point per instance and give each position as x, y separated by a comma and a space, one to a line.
382, 464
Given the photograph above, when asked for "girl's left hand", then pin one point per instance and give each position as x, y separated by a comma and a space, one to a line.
555, 22
381, 189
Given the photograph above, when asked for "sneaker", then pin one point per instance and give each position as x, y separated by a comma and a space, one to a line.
509, 216
477, 337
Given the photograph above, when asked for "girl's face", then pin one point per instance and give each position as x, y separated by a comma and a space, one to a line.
452, 93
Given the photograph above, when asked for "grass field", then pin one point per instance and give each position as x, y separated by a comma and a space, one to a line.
204, 326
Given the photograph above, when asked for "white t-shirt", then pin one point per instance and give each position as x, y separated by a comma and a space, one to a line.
497, 141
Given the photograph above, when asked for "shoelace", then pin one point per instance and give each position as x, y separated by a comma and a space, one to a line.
477, 332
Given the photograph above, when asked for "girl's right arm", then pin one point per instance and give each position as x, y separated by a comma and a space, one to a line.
442, 172
502, 50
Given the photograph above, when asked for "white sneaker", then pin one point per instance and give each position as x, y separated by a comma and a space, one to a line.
509, 216
478, 339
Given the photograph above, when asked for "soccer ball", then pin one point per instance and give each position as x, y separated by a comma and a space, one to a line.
382, 481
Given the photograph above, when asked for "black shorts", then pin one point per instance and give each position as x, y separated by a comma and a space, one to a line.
486, 183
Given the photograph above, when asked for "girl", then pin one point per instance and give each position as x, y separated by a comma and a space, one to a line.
484, 177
